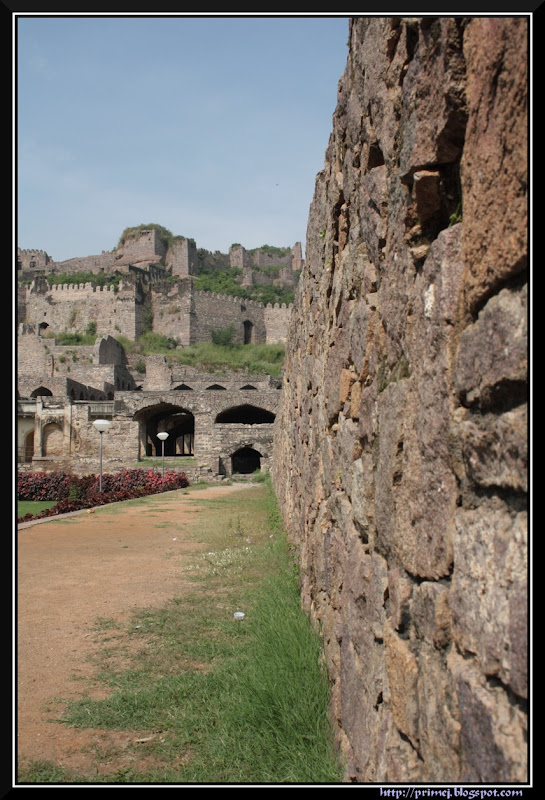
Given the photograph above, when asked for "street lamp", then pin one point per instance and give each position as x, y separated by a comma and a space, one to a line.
162, 436
101, 425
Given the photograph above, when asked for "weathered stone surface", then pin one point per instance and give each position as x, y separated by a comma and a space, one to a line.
434, 109
495, 449
400, 432
431, 613
493, 731
494, 164
438, 723
488, 594
493, 356
402, 669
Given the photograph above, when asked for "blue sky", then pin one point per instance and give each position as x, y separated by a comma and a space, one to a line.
213, 127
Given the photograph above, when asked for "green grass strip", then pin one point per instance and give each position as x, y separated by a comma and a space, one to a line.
228, 702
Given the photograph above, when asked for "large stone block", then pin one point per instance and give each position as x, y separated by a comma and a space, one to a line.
438, 724
495, 449
402, 670
493, 730
495, 158
488, 596
493, 354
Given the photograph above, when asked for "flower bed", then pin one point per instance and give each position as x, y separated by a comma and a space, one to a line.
75, 493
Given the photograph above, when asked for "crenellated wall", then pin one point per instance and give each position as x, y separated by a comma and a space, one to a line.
400, 449
171, 308
70, 307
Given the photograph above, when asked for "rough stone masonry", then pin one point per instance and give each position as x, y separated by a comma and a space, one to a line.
400, 455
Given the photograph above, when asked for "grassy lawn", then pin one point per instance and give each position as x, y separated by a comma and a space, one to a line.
224, 701
33, 506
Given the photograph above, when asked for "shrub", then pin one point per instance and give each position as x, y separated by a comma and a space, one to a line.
223, 336
74, 493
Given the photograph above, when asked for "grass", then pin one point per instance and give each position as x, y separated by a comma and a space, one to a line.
250, 358
205, 698
33, 506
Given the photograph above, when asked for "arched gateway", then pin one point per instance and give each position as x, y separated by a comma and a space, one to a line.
178, 422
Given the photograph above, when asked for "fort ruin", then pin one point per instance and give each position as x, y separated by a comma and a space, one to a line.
217, 423
400, 452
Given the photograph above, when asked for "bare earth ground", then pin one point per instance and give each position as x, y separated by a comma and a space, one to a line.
72, 572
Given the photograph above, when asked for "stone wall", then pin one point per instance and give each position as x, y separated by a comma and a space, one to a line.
401, 440
173, 309
68, 308
217, 312
95, 264
181, 257
146, 246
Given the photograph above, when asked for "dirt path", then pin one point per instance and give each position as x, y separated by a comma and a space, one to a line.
77, 570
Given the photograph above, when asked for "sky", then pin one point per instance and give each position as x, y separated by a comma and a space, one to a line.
214, 127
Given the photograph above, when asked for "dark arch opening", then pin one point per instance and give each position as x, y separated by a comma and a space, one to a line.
216, 387
246, 460
179, 423
41, 391
246, 415
248, 331
183, 387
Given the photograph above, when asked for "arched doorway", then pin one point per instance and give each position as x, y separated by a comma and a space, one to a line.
246, 460
248, 331
178, 422
41, 391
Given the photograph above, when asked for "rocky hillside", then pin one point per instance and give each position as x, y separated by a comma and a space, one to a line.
401, 444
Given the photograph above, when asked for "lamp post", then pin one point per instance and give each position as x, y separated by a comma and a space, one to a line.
101, 425
162, 436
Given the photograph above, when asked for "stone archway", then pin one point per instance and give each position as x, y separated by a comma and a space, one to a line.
248, 331
178, 422
246, 460
42, 391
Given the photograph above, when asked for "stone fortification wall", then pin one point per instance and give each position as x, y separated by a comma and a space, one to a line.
94, 264
181, 257
68, 308
172, 308
277, 319
32, 259
240, 258
147, 246
218, 311
161, 375
400, 443
82, 373
33, 355
262, 259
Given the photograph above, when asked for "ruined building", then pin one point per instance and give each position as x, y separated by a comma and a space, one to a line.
221, 423
400, 447
398, 439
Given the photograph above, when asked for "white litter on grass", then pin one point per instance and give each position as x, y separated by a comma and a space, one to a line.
239, 615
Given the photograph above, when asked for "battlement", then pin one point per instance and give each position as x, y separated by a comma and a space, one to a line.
146, 261
88, 288
242, 300
22, 251
32, 259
